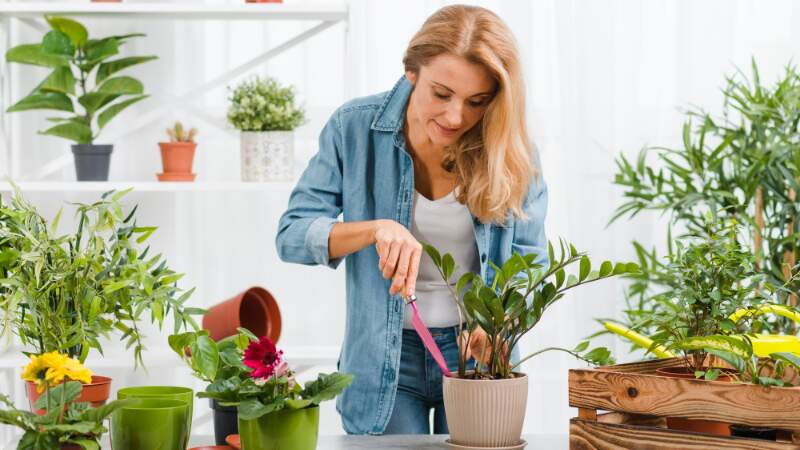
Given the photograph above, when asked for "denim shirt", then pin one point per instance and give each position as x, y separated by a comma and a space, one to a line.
364, 172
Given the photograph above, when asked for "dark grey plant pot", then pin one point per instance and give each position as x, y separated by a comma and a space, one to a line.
226, 421
768, 434
91, 161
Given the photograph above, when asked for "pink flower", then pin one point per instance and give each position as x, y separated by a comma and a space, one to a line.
263, 358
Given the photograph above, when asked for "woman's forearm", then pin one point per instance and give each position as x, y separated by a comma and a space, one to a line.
350, 237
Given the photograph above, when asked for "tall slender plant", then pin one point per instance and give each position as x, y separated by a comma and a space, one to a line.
743, 165
66, 292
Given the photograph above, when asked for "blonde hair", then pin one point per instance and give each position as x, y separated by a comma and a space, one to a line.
493, 161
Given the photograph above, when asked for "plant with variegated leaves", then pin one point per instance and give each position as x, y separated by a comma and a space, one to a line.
73, 58
511, 304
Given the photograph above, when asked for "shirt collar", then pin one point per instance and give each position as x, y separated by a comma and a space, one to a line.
391, 115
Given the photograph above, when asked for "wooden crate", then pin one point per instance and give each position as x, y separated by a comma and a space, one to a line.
638, 401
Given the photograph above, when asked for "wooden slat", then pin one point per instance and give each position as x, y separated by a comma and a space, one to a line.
588, 435
692, 399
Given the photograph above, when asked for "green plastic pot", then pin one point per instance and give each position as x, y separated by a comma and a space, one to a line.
152, 424
294, 429
169, 392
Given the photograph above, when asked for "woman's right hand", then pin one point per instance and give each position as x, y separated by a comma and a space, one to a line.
399, 255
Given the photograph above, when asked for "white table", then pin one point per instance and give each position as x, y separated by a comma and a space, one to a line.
395, 442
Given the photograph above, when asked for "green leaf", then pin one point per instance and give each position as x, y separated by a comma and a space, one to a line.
110, 67
448, 265
730, 344
72, 389
205, 356
433, 253
99, 50
789, 358
57, 43
77, 132
586, 267
121, 85
179, 342
60, 80
606, 268
581, 347
43, 100
252, 408
34, 55
75, 31
93, 101
297, 403
326, 387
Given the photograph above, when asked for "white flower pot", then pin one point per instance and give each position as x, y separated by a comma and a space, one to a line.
267, 155
485, 413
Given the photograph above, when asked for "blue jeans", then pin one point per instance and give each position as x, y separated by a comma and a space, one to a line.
420, 384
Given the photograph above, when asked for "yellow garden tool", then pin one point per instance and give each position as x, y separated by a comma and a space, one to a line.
638, 339
766, 344
763, 344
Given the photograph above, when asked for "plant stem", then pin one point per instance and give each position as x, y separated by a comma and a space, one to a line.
546, 350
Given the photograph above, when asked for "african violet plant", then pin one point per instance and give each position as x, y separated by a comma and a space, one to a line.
250, 373
497, 315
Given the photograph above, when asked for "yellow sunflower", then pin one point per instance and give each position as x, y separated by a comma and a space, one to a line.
50, 369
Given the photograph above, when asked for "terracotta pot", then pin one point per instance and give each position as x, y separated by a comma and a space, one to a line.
485, 413
177, 157
176, 176
254, 309
96, 393
696, 425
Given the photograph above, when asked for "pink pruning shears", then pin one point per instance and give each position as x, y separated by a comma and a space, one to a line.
425, 335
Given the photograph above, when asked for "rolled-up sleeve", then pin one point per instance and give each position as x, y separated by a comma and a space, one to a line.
315, 204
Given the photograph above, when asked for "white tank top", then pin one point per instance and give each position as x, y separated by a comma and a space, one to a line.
447, 225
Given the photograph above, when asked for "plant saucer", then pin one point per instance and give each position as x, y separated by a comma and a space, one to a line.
234, 441
455, 446
175, 176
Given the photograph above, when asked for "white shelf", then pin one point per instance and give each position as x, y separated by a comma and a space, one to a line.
186, 11
149, 186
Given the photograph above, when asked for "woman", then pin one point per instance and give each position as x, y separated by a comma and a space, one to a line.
443, 158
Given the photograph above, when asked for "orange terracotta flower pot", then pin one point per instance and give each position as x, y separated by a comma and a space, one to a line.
177, 157
696, 425
96, 393
254, 309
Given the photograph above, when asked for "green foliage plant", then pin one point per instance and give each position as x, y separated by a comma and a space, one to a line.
262, 104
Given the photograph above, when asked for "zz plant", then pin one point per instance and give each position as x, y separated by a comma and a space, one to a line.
83, 80
513, 303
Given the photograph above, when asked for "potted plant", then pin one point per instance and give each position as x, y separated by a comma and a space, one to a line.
486, 407
214, 361
64, 424
265, 113
274, 411
66, 292
177, 155
74, 58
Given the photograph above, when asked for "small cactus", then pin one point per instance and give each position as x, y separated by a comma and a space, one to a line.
178, 134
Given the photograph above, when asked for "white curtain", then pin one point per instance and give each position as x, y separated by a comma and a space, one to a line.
603, 77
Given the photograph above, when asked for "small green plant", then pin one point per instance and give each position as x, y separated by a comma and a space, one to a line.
67, 292
250, 373
262, 104
514, 302
64, 422
178, 134
707, 280
73, 57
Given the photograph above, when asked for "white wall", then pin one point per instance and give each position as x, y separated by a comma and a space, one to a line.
603, 77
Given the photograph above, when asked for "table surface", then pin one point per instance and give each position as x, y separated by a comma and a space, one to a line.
394, 442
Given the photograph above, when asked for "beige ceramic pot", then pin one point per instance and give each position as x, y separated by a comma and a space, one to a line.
485, 413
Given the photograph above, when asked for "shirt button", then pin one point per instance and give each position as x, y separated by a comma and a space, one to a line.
394, 340
483, 257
